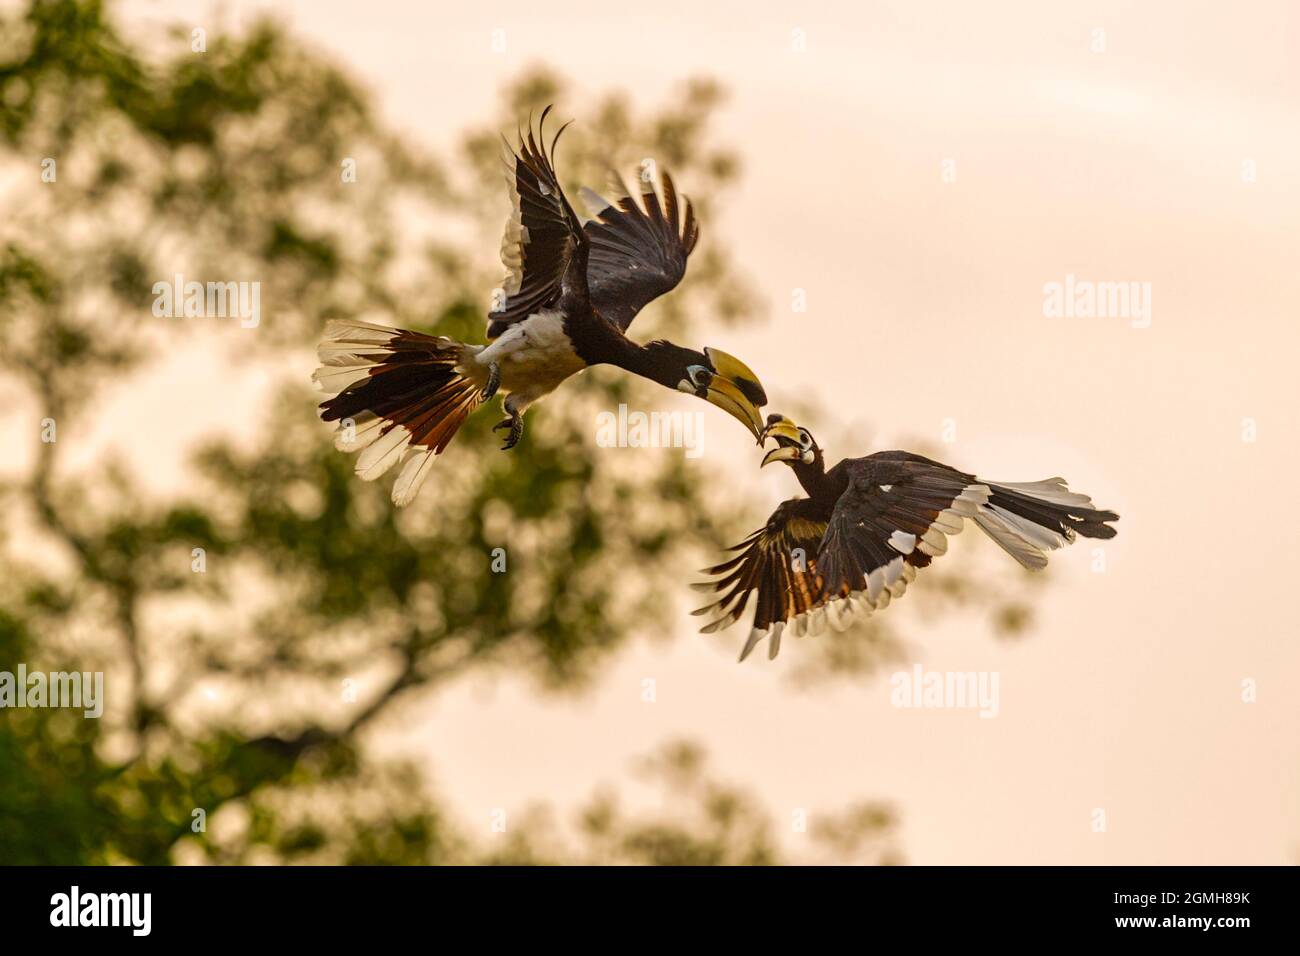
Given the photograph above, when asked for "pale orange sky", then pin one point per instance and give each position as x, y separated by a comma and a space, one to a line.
925, 304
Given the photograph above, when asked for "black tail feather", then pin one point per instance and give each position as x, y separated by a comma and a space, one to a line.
1063, 519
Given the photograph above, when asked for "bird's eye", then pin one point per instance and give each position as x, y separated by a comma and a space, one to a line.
700, 376
805, 439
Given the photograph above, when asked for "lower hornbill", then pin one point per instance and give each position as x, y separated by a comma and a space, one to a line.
865, 528
571, 293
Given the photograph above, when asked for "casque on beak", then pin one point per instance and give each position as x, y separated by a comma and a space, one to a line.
781, 427
736, 390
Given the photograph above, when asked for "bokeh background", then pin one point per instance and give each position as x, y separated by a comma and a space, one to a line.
885, 189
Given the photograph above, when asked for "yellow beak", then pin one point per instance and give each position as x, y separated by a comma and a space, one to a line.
784, 453
727, 396
736, 390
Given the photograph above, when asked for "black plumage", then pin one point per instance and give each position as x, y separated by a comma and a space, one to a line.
865, 528
571, 291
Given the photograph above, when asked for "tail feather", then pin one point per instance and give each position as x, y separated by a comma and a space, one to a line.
1029, 519
398, 395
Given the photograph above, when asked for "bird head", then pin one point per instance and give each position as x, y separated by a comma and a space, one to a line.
794, 444
727, 382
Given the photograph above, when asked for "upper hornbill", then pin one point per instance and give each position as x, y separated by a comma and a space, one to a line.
867, 524
571, 293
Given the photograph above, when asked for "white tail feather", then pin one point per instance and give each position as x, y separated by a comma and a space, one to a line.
1008, 540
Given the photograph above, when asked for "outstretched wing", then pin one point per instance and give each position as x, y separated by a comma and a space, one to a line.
894, 516
778, 562
638, 251
542, 234
900, 508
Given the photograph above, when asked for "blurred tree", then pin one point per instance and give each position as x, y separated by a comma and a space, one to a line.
252, 633
699, 822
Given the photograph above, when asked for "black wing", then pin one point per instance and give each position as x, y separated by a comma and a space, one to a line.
638, 251
894, 516
891, 520
779, 563
899, 509
542, 234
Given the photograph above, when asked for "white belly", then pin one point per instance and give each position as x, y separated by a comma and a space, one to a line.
534, 355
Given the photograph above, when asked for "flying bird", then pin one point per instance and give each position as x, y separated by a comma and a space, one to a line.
572, 291
865, 528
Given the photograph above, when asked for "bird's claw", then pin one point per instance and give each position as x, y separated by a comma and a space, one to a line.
516, 425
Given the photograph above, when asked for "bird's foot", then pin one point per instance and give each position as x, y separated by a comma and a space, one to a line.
516, 425
493, 383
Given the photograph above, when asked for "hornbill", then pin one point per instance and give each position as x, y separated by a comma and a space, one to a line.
867, 525
571, 293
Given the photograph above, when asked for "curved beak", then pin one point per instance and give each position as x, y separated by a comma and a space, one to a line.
783, 453
736, 390
724, 393
779, 426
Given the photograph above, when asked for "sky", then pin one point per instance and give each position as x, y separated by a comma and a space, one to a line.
920, 175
